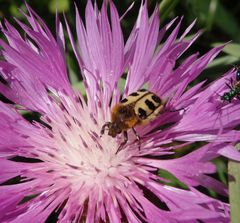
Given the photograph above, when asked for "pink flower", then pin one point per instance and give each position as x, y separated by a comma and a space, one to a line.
61, 164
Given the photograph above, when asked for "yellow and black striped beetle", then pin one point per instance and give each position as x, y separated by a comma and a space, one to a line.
139, 108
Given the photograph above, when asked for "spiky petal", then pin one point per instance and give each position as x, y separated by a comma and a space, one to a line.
59, 163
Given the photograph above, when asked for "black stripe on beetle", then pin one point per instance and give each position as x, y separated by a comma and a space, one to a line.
156, 99
134, 94
150, 105
124, 100
142, 113
142, 90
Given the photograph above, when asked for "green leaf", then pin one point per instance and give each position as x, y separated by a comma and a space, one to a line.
225, 20
232, 49
234, 190
121, 84
24, 112
73, 76
80, 87
211, 13
60, 5
212, 193
171, 179
221, 170
222, 61
166, 7
14, 10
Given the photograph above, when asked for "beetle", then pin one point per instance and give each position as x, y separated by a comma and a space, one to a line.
138, 108
234, 88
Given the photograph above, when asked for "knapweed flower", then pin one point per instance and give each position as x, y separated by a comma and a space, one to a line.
60, 164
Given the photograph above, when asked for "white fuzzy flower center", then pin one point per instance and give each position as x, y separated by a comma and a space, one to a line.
80, 155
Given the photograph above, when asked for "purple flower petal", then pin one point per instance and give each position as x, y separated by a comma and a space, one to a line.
60, 163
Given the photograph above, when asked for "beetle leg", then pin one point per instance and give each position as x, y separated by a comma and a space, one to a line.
137, 137
231, 82
104, 127
125, 135
175, 110
230, 87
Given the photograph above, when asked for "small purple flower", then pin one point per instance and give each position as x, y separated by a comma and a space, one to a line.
61, 162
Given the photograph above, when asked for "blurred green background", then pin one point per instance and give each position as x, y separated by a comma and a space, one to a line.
219, 19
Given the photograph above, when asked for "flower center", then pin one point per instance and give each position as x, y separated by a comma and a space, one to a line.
79, 154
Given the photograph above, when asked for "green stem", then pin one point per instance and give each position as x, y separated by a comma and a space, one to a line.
234, 190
